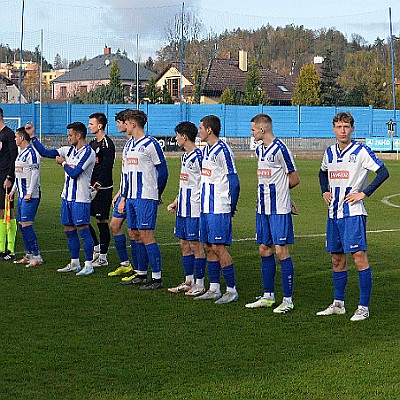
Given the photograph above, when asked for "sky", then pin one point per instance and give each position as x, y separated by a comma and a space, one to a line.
76, 28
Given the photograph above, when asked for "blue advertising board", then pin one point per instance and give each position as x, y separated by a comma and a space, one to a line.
380, 144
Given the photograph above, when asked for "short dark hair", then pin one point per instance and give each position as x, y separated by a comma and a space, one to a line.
187, 128
137, 115
101, 118
78, 127
22, 132
213, 122
343, 117
121, 116
262, 119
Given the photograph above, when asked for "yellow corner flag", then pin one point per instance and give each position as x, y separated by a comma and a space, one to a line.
7, 213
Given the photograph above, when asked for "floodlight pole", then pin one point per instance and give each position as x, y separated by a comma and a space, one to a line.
392, 57
181, 61
137, 73
40, 84
20, 56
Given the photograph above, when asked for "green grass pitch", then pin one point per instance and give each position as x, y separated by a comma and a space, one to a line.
86, 338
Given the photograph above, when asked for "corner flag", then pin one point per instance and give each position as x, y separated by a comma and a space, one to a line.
7, 213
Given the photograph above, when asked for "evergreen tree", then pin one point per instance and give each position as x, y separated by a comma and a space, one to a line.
152, 91
332, 94
308, 87
165, 96
227, 97
57, 63
254, 93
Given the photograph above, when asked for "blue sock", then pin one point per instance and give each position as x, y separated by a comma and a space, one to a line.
214, 268
133, 253
365, 284
229, 276
188, 264
200, 267
73, 243
268, 271
142, 258
287, 276
31, 240
154, 254
88, 243
120, 246
339, 284
25, 239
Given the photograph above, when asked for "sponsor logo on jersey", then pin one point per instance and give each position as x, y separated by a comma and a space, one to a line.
184, 177
206, 172
264, 173
339, 174
132, 161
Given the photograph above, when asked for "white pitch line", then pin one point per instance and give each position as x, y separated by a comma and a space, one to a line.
386, 201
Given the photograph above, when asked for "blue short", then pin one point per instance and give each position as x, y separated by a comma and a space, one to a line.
115, 213
141, 214
187, 228
274, 229
27, 209
216, 228
346, 235
74, 213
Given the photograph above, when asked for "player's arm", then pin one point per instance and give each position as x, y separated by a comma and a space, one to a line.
13, 150
162, 177
234, 190
294, 179
48, 153
74, 172
381, 175
35, 178
324, 184
172, 206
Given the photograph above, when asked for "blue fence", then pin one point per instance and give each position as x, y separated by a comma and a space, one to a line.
294, 121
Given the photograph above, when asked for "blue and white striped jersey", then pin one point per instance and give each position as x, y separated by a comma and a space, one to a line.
78, 189
27, 173
275, 163
123, 180
142, 157
190, 185
218, 162
348, 173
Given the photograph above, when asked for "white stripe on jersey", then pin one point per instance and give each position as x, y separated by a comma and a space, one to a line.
274, 164
141, 159
348, 173
218, 162
123, 180
190, 185
78, 189
27, 172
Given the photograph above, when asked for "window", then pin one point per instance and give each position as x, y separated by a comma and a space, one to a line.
173, 87
283, 88
63, 92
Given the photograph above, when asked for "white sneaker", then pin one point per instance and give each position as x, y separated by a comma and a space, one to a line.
261, 302
85, 271
182, 287
100, 263
227, 297
96, 255
69, 268
360, 314
196, 290
334, 308
284, 308
209, 295
35, 261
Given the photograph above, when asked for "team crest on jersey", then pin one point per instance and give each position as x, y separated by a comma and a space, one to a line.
133, 161
141, 149
352, 158
184, 177
189, 165
264, 173
206, 172
271, 158
339, 174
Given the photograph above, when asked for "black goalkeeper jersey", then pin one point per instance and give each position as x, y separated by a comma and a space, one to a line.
105, 155
8, 152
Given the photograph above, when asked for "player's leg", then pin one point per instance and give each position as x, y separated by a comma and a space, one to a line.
200, 262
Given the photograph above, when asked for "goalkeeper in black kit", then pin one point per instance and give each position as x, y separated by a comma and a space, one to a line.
102, 186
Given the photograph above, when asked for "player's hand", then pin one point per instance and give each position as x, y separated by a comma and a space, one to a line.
121, 206
114, 200
7, 184
353, 198
11, 196
327, 196
160, 201
233, 212
171, 207
59, 160
30, 129
27, 197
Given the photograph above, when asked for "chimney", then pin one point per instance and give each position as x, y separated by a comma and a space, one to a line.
107, 50
229, 55
243, 60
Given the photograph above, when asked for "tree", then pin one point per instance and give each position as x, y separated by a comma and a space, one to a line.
197, 73
116, 91
308, 87
165, 95
254, 93
152, 91
227, 97
332, 94
57, 63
